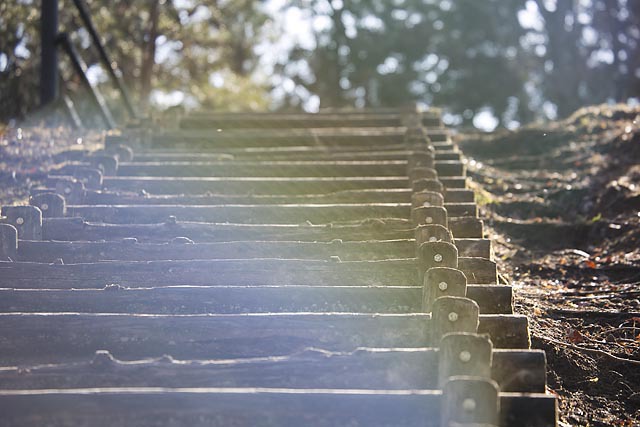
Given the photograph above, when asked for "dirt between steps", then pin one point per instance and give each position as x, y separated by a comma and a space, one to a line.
562, 204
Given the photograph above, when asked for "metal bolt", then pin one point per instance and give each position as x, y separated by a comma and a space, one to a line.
67, 190
427, 204
433, 239
19, 220
44, 207
453, 316
428, 220
469, 405
465, 356
437, 257
443, 286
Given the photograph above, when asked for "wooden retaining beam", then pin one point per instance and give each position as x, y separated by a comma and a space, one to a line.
234, 299
254, 406
371, 368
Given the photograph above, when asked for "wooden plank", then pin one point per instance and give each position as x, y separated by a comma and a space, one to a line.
201, 139
393, 368
243, 214
240, 299
281, 168
252, 407
27, 275
82, 252
31, 338
296, 121
256, 214
66, 229
394, 195
257, 185
396, 152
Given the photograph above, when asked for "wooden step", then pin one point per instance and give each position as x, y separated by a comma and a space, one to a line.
31, 338
369, 368
68, 229
260, 407
401, 272
77, 252
491, 299
274, 214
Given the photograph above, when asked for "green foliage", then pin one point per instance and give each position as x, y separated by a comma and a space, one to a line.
167, 46
520, 59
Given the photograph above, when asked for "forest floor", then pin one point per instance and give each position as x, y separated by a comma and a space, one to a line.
561, 202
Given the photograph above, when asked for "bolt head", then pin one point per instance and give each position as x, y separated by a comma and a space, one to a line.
453, 316
437, 257
67, 190
428, 220
443, 286
465, 356
469, 405
433, 239
19, 220
44, 207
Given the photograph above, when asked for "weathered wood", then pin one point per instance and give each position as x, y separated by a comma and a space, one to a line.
281, 169
26, 219
52, 205
255, 407
227, 272
393, 368
394, 195
257, 185
66, 229
291, 121
201, 139
259, 214
240, 299
464, 354
470, 401
82, 252
310, 153
8, 242
209, 272
244, 214
31, 338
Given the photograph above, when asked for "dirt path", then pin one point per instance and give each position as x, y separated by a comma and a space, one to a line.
563, 205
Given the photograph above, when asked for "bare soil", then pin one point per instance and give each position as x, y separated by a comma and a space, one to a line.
562, 204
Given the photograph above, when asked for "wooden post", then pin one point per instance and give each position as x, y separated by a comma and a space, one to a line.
71, 189
427, 198
454, 314
26, 219
106, 163
438, 254
422, 172
429, 215
91, 177
464, 354
432, 233
48, 51
122, 152
8, 242
470, 401
440, 282
420, 158
427, 184
52, 205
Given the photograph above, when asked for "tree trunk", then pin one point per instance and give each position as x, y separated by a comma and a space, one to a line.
148, 55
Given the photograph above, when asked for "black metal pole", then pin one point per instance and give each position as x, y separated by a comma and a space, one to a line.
49, 53
110, 66
81, 68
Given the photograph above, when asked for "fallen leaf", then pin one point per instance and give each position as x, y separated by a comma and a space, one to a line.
575, 336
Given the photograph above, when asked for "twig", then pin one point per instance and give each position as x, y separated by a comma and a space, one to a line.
589, 350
